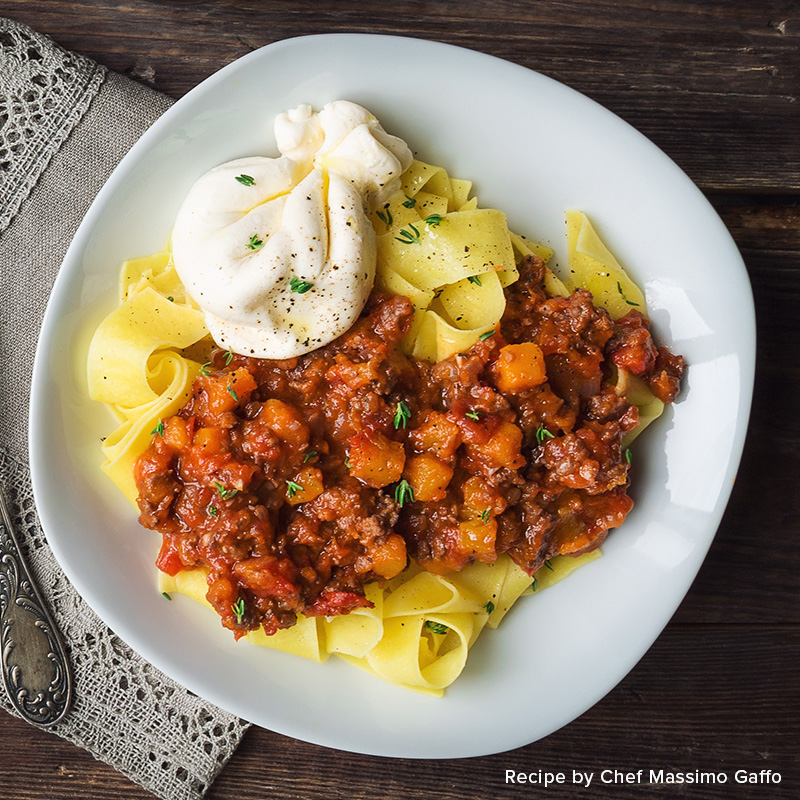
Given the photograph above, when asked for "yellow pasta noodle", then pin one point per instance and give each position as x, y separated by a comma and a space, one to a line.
593, 267
453, 260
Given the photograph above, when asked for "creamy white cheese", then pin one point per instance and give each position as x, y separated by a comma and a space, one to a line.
279, 253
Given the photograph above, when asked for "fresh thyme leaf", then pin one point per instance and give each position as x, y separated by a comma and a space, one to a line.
435, 627
408, 236
292, 489
475, 279
485, 515
229, 356
300, 286
347, 462
246, 180
549, 565
386, 216
309, 456
159, 429
238, 610
224, 493
410, 202
402, 415
213, 511
474, 414
254, 242
433, 220
171, 298
542, 433
627, 454
484, 336
232, 392
622, 294
204, 370
535, 583
167, 595
489, 606
404, 493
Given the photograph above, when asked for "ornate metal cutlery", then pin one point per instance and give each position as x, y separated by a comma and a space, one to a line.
34, 665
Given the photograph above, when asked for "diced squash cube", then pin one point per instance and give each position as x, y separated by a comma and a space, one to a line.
429, 477
519, 367
307, 485
376, 460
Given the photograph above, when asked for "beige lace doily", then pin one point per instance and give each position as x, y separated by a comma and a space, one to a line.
65, 122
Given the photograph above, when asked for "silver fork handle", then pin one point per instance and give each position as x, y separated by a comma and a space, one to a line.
33, 661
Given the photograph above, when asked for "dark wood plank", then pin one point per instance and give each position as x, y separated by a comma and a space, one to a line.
680, 709
653, 719
714, 84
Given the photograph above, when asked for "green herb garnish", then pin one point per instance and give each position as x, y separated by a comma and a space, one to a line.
404, 493
474, 414
386, 216
475, 279
410, 202
238, 610
159, 429
309, 456
224, 493
484, 336
166, 595
408, 237
245, 180
402, 415
542, 433
254, 242
622, 294
299, 285
627, 454
489, 606
204, 370
433, 220
292, 489
232, 392
485, 514
229, 356
213, 511
435, 627
549, 565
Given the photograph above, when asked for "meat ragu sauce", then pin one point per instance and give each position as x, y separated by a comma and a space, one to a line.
297, 482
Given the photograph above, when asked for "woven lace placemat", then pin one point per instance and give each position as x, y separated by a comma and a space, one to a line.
65, 122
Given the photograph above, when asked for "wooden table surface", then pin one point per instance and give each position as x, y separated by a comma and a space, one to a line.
714, 84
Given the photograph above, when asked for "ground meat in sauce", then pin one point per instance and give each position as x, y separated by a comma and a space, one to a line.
297, 482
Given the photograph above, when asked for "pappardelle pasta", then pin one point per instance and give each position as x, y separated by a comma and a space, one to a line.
388, 495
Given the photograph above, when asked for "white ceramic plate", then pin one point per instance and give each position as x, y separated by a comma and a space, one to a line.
534, 148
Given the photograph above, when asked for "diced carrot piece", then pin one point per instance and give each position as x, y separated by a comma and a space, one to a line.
519, 367
376, 460
429, 477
